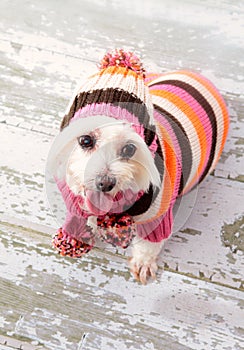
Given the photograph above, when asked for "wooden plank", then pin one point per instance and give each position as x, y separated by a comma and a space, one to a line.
54, 301
231, 165
194, 33
199, 245
57, 64
204, 245
7, 343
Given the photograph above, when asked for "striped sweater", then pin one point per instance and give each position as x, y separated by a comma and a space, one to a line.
192, 124
181, 117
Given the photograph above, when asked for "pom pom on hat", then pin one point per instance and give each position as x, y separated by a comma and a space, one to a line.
121, 58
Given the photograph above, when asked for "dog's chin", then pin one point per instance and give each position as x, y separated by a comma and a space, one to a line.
131, 182
100, 203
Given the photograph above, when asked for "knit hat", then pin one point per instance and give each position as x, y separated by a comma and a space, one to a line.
117, 90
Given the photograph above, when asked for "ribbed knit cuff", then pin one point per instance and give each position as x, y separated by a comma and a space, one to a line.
158, 229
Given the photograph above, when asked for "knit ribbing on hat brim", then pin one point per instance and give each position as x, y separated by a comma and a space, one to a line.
105, 102
119, 114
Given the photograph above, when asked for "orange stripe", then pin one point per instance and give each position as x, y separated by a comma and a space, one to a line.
196, 122
207, 84
170, 162
113, 70
149, 75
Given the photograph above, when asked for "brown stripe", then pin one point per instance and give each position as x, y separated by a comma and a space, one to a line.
149, 134
144, 203
159, 160
209, 111
184, 144
116, 97
69, 116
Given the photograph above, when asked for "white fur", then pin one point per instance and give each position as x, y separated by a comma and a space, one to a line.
144, 258
135, 173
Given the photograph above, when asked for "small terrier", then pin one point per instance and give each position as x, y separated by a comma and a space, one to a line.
135, 141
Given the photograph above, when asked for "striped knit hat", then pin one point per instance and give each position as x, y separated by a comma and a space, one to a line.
117, 90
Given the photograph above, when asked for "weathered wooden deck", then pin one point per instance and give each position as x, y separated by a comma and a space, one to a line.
50, 302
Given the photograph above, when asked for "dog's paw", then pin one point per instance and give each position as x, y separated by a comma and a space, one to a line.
143, 270
143, 263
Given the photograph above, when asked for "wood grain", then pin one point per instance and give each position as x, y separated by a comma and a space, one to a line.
57, 300
48, 302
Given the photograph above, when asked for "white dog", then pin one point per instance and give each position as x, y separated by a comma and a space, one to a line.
138, 142
107, 161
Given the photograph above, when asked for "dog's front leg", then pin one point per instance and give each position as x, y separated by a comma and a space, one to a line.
143, 263
148, 244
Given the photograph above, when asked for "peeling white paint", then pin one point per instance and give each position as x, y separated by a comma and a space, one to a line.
44, 54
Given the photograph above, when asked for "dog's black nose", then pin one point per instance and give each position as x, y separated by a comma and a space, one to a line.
105, 183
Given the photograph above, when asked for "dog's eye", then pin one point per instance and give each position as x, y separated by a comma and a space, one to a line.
86, 141
128, 151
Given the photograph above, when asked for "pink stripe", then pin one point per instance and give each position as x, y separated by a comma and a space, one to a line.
196, 107
117, 113
159, 229
150, 78
106, 109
